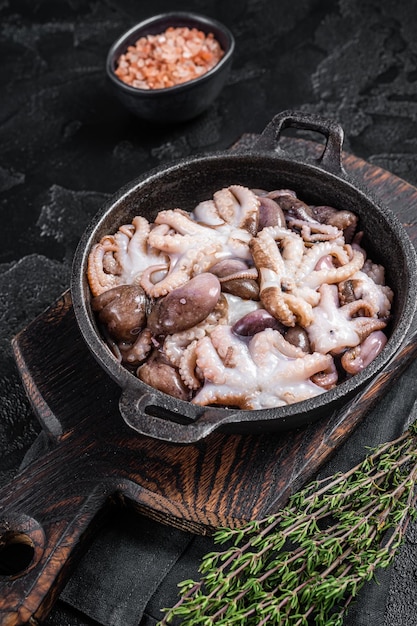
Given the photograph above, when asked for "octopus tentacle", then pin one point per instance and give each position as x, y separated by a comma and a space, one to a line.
315, 231
206, 213
300, 307
99, 280
248, 274
172, 281
175, 344
181, 221
194, 261
277, 306
187, 366
164, 239
265, 252
276, 268
258, 374
342, 218
359, 357
277, 341
291, 246
322, 249
328, 377
337, 274
334, 329
193, 247
146, 281
368, 325
362, 286
359, 306
136, 353
110, 263
238, 206
121, 258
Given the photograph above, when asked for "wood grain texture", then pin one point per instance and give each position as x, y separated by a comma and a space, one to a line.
96, 461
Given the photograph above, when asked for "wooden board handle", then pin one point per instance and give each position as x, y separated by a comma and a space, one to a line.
44, 517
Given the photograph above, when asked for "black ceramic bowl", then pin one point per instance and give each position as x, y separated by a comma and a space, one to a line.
181, 102
266, 166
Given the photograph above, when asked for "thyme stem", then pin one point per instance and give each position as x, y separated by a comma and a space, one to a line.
311, 558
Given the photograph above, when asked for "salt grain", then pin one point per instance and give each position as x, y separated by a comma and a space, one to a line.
170, 58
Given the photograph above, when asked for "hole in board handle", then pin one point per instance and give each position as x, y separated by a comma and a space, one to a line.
17, 552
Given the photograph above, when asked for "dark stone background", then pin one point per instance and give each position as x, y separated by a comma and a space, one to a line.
66, 145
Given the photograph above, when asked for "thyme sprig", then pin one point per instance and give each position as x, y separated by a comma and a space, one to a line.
305, 564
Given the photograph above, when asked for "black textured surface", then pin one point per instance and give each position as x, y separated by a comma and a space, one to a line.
67, 144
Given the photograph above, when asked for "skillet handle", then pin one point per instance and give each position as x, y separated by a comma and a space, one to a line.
141, 414
331, 158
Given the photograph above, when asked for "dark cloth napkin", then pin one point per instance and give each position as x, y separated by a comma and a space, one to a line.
131, 570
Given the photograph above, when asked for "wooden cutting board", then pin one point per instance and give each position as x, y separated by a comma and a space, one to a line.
95, 461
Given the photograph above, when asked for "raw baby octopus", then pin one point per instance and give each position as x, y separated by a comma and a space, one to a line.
254, 299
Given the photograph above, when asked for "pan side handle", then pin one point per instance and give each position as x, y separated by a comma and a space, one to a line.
145, 414
331, 158
47, 513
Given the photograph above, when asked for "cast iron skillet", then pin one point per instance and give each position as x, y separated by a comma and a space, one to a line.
185, 183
